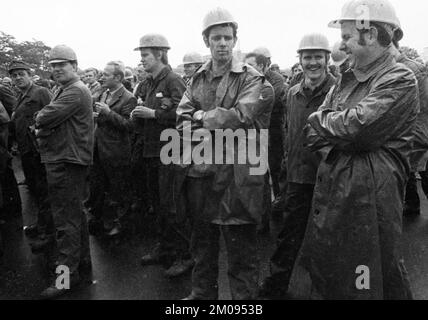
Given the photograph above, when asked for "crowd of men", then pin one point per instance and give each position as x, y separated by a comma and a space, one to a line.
348, 135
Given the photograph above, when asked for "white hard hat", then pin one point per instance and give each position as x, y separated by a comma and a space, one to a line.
314, 41
368, 10
216, 17
263, 51
192, 57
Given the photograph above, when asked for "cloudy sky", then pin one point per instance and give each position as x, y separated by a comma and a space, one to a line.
104, 30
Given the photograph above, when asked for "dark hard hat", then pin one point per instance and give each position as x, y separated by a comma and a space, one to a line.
18, 65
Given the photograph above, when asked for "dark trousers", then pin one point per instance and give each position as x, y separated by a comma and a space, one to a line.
12, 207
35, 177
276, 153
412, 201
298, 201
110, 194
66, 184
173, 236
241, 246
140, 197
424, 180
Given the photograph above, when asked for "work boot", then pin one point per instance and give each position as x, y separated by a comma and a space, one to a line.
42, 244
411, 211
179, 268
153, 257
52, 292
31, 231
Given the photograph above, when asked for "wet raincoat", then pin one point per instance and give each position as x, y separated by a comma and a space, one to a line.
243, 100
362, 132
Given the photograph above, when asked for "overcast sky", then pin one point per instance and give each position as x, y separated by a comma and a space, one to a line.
104, 30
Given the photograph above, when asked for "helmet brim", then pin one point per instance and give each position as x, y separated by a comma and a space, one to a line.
58, 61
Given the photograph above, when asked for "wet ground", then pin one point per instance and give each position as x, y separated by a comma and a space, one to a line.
117, 273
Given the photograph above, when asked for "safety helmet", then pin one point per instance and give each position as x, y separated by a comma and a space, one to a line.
368, 10
314, 41
192, 57
18, 65
263, 51
62, 53
338, 56
216, 17
153, 41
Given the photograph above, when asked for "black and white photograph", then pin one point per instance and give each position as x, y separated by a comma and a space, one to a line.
214, 150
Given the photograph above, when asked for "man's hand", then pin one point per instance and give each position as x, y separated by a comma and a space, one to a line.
102, 108
199, 115
143, 112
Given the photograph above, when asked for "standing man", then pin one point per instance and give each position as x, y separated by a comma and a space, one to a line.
164, 90
418, 159
224, 198
91, 76
302, 100
192, 61
276, 139
65, 132
110, 172
362, 133
32, 98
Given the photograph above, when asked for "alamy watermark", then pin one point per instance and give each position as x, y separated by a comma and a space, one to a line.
220, 146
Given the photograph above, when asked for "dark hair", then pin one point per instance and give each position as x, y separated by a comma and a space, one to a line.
95, 71
206, 33
260, 59
384, 38
163, 52
295, 66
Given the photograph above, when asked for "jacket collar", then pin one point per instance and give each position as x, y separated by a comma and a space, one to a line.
365, 73
117, 94
323, 88
164, 72
235, 67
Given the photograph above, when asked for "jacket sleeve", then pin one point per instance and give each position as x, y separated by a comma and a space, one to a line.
176, 88
58, 111
185, 110
390, 104
120, 121
7, 98
45, 97
243, 113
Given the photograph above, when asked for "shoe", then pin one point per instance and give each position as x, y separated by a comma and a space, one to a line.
31, 231
278, 205
179, 268
411, 212
42, 244
272, 289
117, 229
52, 292
192, 296
152, 257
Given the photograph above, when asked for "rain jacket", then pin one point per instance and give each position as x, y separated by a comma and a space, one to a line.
243, 100
4, 155
66, 126
302, 164
363, 132
420, 139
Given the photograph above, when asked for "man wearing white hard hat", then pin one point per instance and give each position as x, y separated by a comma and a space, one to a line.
361, 132
65, 134
191, 62
224, 198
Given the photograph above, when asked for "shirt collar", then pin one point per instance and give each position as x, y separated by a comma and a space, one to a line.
365, 73
115, 91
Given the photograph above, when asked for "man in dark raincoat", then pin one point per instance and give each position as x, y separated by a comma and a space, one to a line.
363, 133
224, 198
